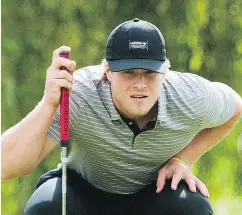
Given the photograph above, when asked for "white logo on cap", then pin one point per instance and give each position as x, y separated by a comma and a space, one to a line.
138, 45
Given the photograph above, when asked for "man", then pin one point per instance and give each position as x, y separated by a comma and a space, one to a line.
136, 129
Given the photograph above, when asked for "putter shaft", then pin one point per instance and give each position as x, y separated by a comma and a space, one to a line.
64, 177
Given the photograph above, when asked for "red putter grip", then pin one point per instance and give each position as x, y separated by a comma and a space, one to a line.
64, 109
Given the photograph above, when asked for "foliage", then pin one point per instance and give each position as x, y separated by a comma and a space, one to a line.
202, 37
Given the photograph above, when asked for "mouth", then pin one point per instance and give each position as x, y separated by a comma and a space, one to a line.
138, 97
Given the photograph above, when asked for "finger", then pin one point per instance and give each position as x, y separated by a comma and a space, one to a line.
56, 84
64, 83
60, 61
57, 52
202, 187
176, 178
207, 191
62, 74
190, 180
72, 68
161, 180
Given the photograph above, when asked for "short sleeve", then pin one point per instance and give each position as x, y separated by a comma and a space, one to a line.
54, 129
219, 105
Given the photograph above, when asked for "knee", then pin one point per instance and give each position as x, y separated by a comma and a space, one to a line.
193, 203
46, 199
42, 208
195, 206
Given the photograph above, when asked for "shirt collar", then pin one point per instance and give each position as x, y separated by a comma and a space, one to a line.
162, 111
109, 102
162, 115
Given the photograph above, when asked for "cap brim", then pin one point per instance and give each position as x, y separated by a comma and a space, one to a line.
126, 64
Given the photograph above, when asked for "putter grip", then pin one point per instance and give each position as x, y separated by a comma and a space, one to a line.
64, 109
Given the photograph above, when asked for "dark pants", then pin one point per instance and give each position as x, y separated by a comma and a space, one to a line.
84, 199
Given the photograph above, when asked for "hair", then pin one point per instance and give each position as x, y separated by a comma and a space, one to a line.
104, 76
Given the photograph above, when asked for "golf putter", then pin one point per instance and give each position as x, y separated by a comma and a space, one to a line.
64, 134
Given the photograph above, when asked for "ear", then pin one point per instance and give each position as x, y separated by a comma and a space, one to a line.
107, 71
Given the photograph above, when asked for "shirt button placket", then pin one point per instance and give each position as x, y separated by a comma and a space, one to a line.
137, 139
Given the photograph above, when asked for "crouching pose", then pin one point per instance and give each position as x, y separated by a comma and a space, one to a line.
136, 129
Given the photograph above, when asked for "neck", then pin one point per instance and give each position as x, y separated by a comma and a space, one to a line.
142, 121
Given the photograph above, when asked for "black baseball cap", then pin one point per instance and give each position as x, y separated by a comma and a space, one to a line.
136, 44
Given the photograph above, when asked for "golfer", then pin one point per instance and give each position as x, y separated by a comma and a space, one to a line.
136, 129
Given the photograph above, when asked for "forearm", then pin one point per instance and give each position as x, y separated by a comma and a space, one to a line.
23, 143
205, 140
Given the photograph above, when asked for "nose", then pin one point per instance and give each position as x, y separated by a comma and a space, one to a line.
140, 81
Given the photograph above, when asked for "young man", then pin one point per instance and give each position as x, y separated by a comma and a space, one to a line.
136, 129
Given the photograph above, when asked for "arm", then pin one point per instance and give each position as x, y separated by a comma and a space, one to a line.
26, 144
23, 143
202, 142
209, 137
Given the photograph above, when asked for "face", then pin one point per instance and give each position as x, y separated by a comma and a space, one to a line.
135, 92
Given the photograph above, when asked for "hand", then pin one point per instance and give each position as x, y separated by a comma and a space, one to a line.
56, 78
176, 171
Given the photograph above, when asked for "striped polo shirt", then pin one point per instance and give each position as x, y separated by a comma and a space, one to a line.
104, 150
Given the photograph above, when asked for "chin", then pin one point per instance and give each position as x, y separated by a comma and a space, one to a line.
138, 114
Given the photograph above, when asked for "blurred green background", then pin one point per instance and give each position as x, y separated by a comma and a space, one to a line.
203, 37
